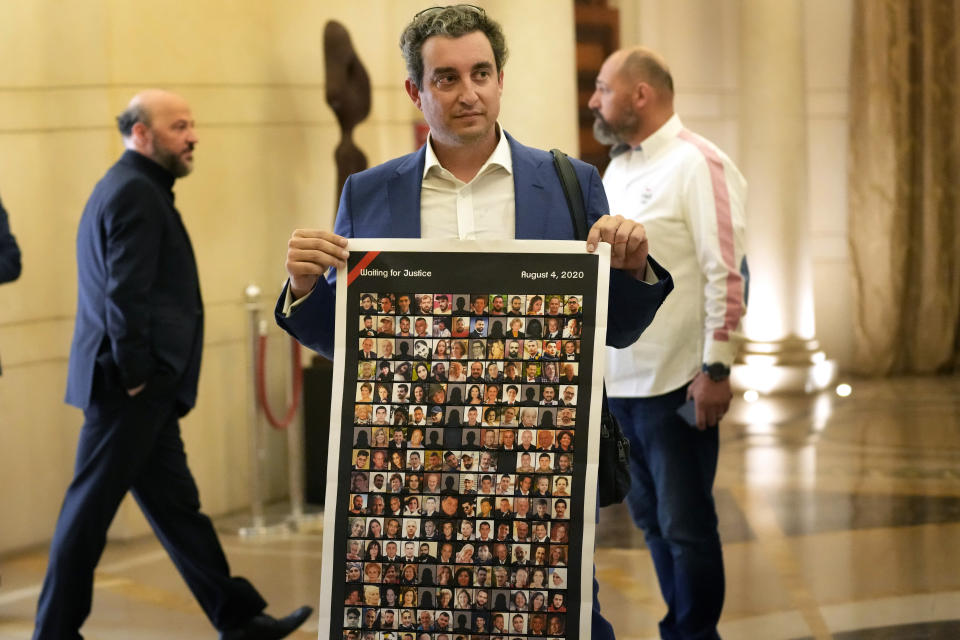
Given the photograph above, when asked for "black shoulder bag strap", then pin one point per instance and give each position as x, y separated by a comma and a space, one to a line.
614, 469
571, 189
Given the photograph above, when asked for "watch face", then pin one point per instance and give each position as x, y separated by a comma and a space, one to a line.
717, 371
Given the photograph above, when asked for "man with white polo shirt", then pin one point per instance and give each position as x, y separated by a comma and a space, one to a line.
690, 197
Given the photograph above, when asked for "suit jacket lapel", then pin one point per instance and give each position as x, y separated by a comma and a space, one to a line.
529, 193
403, 196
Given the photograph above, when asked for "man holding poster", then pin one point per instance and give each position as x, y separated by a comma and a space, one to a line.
470, 181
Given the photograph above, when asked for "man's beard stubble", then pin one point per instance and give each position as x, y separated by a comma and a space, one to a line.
606, 133
171, 161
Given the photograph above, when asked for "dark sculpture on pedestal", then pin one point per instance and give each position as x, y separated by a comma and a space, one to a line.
348, 94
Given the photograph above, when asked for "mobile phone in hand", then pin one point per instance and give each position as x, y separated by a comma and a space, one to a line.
688, 411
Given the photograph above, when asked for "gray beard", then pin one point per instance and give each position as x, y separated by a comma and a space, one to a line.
603, 132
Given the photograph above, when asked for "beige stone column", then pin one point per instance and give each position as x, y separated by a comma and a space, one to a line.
782, 353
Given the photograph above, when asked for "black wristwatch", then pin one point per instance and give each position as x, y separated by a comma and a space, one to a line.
717, 371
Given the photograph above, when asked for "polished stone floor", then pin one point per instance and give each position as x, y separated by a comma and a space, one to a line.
840, 519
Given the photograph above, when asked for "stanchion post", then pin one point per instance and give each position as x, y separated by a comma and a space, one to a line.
295, 454
252, 297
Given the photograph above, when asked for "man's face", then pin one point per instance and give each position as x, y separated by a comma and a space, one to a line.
449, 505
574, 305
460, 96
367, 344
615, 118
417, 415
497, 304
472, 416
531, 347
480, 303
480, 326
171, 137
429, 528
476, 369
525, 460
540, 530
405, 325
392, 527
411, 531
443, 620
403, 302
443, 303
554, 305
518, 624
426, 303
548, 394
391, 548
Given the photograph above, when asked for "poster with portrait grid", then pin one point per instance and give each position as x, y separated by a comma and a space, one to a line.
461, 493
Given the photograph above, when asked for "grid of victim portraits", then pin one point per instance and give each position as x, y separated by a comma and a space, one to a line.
464, 430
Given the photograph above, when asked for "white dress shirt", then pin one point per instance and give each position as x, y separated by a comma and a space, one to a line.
690, 198
483, 208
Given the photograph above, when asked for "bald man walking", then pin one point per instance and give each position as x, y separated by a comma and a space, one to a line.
134, 366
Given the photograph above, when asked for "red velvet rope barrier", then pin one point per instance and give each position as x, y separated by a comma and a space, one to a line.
297, 370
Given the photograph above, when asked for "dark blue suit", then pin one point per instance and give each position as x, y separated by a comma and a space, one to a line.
9, 251
139, 321
384, 202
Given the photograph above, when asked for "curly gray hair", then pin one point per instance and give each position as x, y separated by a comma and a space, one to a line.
453, 21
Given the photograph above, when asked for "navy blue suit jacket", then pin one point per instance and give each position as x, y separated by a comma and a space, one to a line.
384, 202
139, 311
9, 251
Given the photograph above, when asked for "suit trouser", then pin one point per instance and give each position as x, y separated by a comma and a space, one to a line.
133, 444
672, 466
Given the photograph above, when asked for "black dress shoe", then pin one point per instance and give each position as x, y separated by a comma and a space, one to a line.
264, 627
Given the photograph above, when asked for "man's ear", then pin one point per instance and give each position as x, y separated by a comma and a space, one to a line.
413, 92
643, 94
141, 135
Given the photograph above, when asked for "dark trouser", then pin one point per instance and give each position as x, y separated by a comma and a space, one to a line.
672, 467
134, 444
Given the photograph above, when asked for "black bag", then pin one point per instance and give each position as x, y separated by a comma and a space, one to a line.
613, 480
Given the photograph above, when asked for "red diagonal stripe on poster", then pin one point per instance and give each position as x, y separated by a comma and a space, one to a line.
364, 262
